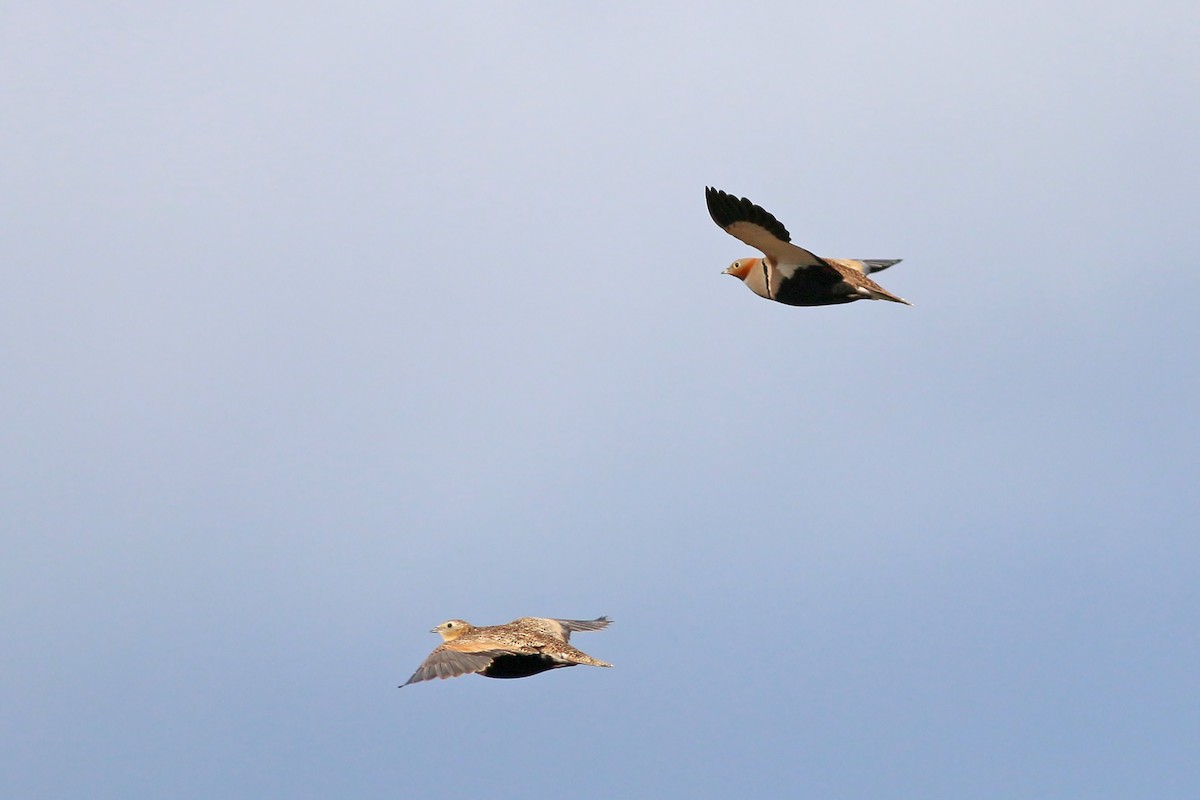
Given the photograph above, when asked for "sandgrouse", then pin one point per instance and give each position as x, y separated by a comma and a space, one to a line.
790, 274
518, 649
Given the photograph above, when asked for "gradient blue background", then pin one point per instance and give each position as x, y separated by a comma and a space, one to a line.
324, 322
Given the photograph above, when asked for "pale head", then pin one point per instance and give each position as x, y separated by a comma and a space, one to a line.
451, 629
742, 267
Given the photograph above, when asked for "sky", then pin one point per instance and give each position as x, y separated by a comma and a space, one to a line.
324, 323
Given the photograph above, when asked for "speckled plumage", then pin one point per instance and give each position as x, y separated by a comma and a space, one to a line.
517, 649
788, 273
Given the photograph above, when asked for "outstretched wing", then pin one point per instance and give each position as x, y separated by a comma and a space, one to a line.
446, 663
877, 264
865, 265
569, 626
561, 628
756, 227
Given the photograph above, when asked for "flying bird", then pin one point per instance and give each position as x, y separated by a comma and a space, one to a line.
787, 273
518, 649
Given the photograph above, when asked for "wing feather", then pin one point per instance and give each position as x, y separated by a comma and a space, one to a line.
569, 626
865, 266
758, 228
878, 264
562, 628
446, 663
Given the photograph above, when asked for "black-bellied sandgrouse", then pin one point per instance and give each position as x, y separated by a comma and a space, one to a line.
518, 649
787, 273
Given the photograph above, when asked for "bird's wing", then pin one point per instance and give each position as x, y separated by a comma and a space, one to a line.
569, 626
562, 628
572, 625
878, 264
866, 265
445, 662
756, 227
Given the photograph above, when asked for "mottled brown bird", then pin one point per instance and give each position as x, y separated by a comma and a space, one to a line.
521, 648
790, 274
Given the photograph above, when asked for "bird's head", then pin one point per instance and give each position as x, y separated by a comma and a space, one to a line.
451, 629
741, 268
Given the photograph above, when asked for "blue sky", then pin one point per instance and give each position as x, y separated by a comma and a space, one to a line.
322, 324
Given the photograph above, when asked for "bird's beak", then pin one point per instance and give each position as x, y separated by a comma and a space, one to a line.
433, 630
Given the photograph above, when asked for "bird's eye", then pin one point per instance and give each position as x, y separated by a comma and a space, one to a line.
449, 624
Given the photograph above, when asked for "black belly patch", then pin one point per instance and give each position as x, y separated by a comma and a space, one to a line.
814, 287
520, 666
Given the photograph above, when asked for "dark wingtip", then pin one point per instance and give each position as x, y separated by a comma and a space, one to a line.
726, 209
879, 264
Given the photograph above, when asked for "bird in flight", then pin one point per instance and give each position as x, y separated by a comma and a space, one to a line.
518, 649
787, 273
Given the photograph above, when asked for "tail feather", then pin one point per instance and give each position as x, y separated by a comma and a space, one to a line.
576, 656
886, 295
873, 291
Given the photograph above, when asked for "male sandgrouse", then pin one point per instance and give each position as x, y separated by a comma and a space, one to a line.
521, 648
790, 274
